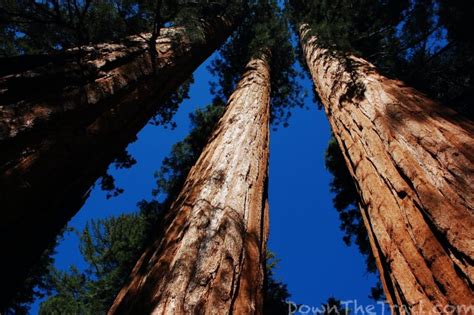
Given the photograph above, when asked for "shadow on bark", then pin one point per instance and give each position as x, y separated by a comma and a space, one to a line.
157, 267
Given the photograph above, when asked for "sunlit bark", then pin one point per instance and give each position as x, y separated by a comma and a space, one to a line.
412, 162
211, 257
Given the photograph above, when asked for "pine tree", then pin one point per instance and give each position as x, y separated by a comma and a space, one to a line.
68, 114
410, 160
109, 247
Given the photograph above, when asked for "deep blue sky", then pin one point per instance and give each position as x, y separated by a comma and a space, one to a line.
304, 227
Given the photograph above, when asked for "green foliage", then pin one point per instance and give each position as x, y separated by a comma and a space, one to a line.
72, 289
33, 27
446, 72
264, 30
166, 111
110, 248
348, 24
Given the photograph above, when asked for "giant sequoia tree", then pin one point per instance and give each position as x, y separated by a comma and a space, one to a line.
411, 160
212, 253
66, 115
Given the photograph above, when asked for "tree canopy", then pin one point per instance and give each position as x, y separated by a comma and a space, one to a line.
264, 30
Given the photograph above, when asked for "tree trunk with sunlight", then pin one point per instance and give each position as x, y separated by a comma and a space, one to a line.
211, 256
412, 162
64, 118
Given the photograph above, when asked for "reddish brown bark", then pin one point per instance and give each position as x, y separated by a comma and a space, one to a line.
63, 120
211, 258
412, 162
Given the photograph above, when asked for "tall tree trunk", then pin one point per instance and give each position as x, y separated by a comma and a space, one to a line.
65, 118
211, 257
412, 162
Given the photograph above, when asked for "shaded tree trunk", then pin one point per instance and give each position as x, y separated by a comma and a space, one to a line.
211, 257
412, 162
65, 118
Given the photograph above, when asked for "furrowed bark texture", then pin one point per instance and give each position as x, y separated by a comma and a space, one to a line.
211, 258
412, 162
65, 118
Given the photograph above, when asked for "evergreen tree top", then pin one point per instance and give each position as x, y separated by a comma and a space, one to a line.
263, 30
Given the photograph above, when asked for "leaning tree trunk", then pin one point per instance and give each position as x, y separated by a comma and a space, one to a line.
64, 118
412, 162
211, 257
